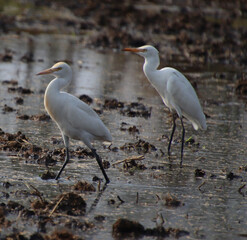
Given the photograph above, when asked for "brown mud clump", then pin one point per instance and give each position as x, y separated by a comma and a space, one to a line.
13, 142
199, 173
19, 100
40, 117
38, 204
241, 86
136, 109
48, 175
169, 200
230, 176
113, 104
7, 109
70, 203
4, 223
133, 165
7, 56
10, 82
20, 90
84, 187
141, 147
85, 98
62, 235
124, 228
131, 129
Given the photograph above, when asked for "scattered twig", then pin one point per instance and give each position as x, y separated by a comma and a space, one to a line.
158, 197
199, 187
162, 153
199, 158
240, 190
137, 198
35, 192
109, 147
55, 207
138, 158
122, 201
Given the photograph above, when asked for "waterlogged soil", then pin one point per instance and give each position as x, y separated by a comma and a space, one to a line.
149, 196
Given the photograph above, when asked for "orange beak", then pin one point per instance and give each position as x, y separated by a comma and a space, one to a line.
47, 71
136, 50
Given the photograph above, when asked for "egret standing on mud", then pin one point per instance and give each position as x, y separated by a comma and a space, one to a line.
175, 90
74, 118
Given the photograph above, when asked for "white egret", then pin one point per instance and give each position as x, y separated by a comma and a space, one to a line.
175, 90
74, 118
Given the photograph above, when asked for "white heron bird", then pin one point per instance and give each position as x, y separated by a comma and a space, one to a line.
175, 90
74, 118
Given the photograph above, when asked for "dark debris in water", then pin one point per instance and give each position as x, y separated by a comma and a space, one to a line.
46, 159
134, 109
14, 206
84, 187
7, 184
48, 175
199, 173
140, 146
70, 204
63, 234
39, 205
10, 82
131, 129
19, 100
18, 144
230, 176
133, 165
13, 142
241, 86
127, 228
124, 228
20, 90
7, 109
39, 117
112, 103
169, 200
85, 98
27, 57
7, 56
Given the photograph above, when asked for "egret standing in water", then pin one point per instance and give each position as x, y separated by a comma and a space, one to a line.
175, 90
74, 118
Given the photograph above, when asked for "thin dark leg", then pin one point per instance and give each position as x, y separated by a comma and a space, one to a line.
182, 144
64, 164
173, 130
99, 161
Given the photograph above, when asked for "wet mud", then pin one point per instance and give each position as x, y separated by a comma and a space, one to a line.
149, 196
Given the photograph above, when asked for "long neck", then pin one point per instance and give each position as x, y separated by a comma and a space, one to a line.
51, 93
57, 84
150, 66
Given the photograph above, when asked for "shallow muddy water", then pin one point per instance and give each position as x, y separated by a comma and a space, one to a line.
212, 207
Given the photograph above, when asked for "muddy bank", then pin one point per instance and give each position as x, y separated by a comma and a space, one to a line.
149, 195
205, 32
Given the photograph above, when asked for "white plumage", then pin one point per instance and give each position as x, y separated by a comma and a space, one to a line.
74, 118
175, 90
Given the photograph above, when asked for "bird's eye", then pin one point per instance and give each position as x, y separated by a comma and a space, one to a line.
57, 69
